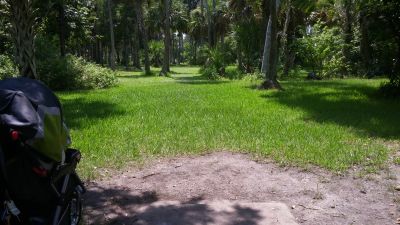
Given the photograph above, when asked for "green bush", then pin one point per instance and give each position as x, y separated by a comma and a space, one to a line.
321, 50
215, 64
69, 72
210, 73
391, 89
72, 72
7, 67
156, 51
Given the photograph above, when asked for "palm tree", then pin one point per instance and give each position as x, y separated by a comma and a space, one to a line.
23, 20
221, 24
196, 29
179, 24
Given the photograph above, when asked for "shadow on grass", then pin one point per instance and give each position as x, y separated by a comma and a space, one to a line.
197, 80
136, 76
345, 104
119, 206
79, 112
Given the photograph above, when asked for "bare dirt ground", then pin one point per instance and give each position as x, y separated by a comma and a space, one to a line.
313, 196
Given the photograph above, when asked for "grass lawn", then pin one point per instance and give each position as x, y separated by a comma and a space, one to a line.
333, 124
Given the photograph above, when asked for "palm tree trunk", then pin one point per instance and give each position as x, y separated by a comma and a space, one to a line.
267, 43
143, 32
22, 21
271, 73
286, 39
167, 39
61, 27
365, 43
347, 32
209, 24
112, 41
267, 48
136, 47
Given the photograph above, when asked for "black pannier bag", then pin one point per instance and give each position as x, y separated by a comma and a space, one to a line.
39, 185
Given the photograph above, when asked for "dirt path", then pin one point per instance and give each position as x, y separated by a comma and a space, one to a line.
316, 197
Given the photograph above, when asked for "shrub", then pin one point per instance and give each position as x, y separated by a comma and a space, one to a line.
72, 72
210, 73
215, 65
391, 89
7, 67
69, 72
322, 51
156, 51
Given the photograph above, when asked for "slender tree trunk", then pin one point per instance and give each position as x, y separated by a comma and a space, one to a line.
136, 47
195, 53
267, 48
125, 53
268, 35
271, 73
23, 21
213, 31
182, 50
167, 39
173, 46
287, 39
143, 32
209, 24
112, 41
347, 32
101, 54
365, 44
239, 58
61, 27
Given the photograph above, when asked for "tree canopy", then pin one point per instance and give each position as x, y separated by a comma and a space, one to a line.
273, 37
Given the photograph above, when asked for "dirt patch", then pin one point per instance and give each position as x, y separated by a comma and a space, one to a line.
316, 197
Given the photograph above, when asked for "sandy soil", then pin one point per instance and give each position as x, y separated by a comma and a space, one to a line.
314, 196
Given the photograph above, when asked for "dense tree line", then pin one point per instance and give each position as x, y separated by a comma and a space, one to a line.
273, 37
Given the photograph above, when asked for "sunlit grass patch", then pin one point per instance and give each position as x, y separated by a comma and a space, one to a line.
331, 124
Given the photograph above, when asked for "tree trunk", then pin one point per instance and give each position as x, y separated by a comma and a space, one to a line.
136, 47
112, 42
209, 25
101, 53
365, 44
167, 39
61, 27
143, 32
180, 47
125, 53
267, 48
271, 81
287, 39
23, 20
268, 35
213, 31
239, 58
172, 52
195, 52
347, 32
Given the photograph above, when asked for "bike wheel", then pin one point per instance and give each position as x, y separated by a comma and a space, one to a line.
73, 212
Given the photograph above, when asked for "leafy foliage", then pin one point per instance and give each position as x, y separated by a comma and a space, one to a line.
7, 67
216, 63
321, 50
70, 72
156, 50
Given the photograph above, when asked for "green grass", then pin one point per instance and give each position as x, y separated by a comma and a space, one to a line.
333, 124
